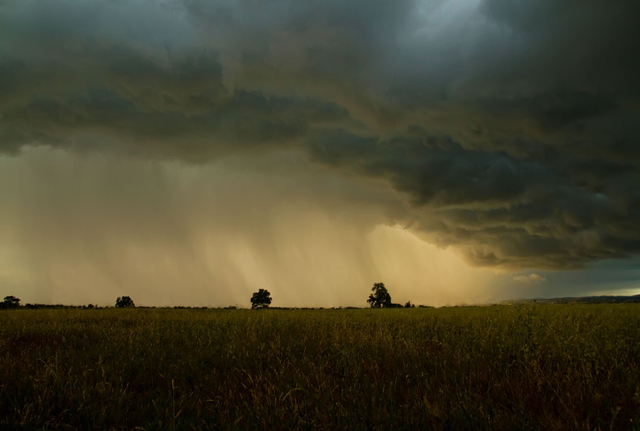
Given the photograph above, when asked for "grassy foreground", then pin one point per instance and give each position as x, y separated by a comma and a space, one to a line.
501, 367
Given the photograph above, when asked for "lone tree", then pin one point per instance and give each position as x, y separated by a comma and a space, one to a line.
380, 297
10, 302
261, 299
124, 302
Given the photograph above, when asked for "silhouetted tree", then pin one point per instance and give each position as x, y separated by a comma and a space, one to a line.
124, 302
10, 302
261, 299
409, 305
380, 297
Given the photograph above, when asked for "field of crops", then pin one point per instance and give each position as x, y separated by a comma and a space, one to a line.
550, 367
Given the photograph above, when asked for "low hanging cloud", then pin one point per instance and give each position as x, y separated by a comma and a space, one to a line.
509, 129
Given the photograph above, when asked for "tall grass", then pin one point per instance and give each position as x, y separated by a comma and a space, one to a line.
551, 367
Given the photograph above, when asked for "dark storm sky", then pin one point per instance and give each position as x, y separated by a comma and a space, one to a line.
504, 131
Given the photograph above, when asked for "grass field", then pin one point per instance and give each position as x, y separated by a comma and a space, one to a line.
551, 367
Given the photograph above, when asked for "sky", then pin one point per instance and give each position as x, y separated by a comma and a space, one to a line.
191, 152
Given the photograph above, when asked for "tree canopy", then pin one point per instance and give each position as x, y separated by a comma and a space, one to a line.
380, 297
261, 299
10, 302
124, 302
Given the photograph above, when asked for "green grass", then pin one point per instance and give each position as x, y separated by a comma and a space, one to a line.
495, 368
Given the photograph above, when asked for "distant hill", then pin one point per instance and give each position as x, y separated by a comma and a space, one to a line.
577, 300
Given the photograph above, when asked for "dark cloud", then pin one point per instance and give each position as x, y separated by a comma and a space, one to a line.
497, 209
510, 128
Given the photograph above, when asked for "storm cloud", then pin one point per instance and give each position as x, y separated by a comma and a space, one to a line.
507, 129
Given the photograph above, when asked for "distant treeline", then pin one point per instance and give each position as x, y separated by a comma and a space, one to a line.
12, 303
56, 306
380, 298
577, 300
177, 307
182, 307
